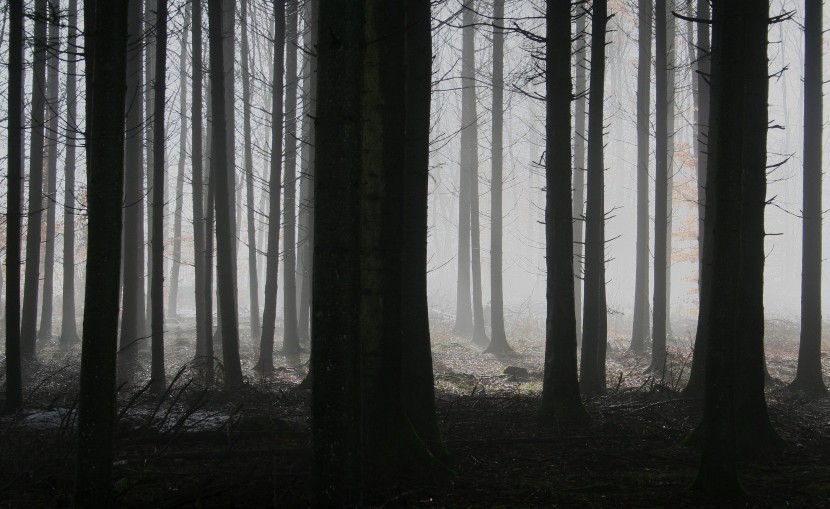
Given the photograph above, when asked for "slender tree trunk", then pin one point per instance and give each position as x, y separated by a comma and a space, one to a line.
594, 323
694, 388
173, 298
808, 376
158, 382
14, 212
28, 324
469, 163
149, 138
204, 321
291, 342
658, 335
224, 209
269, 316
306, 222
132, 327
253, 285
560, 393
498, 338
671, 108
53, 114
106, 50
69, 327
642, 312
579, 168
229, 61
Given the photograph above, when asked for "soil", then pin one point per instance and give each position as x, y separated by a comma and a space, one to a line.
197, 446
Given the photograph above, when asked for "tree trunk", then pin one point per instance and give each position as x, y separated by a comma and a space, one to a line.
594, 322
224, 210
306, 223
808, 377
671, 107
173, 298
560, 393
133, 282
658, 335
149, 139
269, 313
204, 320
106, 51
53, 112
694, 388
14, 212
469, 163
253, 282
642, 313
579, 169
498, 338
290, 339
28, 323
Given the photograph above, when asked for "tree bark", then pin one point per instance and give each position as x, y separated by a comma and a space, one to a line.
106, 51
14, 212
28, 321
642, 313
290, 339
269, 316
579, 168
560, 392
808, 377
595, 319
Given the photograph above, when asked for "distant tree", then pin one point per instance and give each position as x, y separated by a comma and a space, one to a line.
269, 308
159, 175
594, 317
51, 147
808, 378
105, 55
69, 326
498, 338
734, 409
642, 313
253, 280
226, 281
132, 313
579, 165
28, 321
14, 212
661, 189
468, 166
290, 339
560, 392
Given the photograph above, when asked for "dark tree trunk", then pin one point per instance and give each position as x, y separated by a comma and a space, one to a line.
579, 169
671, 97
229, 61
106, 51
158, 382
594, 317
498, 338
735, 412
661, 150
560, 393
269, 312
290, 339
14, 198
173, 298
53, 113
418, 384
224, 210
28, 321
253, 280
642, 312
69, 327
705, 142
306, 222
133, 281
808, 378
336, 278
468, 167
149, 38
204, 321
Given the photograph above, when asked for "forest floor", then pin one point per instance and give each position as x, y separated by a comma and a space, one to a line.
197, 446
